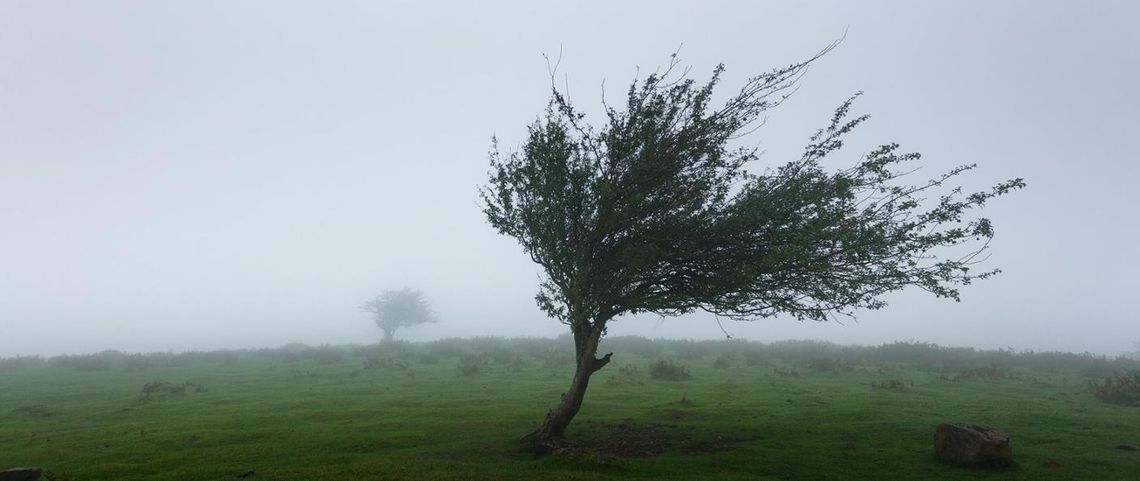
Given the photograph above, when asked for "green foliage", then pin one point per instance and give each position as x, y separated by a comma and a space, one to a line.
653, 211
395, 309
468, 366
21, 362
385, 363
1120, 388
666, 370
891, 385
163, 387
829, 365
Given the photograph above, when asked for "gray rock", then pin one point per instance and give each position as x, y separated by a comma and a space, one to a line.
972, 445
20, 474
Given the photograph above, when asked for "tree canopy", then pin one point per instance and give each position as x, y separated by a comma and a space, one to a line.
393, 309
653, 210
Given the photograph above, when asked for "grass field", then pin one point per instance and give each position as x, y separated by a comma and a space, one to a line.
455, 409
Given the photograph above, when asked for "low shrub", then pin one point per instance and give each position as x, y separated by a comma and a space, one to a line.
786, 371
891, 385
163, 387
384, 363
517, 364
1120, 388
468, 366
666, 370
722, 361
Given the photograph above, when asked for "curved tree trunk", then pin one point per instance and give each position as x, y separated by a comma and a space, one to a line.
389, 334
549, 434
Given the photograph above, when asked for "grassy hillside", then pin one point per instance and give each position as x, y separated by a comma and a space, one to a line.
454, 409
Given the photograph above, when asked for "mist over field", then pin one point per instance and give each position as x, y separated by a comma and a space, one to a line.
183, 176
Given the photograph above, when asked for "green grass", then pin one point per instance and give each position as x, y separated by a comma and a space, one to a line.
307, 420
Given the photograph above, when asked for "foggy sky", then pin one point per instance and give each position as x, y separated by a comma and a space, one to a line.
230, 174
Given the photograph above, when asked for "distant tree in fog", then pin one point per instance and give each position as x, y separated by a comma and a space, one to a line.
395, 309
653, 211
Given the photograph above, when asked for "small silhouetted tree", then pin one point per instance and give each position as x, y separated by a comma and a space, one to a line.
395, 309
653, 211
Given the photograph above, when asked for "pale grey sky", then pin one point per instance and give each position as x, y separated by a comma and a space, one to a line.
207, 174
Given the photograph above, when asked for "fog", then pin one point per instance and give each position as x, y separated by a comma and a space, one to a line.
221, 174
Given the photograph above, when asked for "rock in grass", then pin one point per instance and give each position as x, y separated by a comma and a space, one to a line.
1126, 447
20, 474
972, 445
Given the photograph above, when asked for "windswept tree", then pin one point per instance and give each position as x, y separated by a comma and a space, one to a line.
395, 309
653, 211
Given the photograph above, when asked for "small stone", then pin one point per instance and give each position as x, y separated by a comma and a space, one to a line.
972, 445
1127, 447
20, 474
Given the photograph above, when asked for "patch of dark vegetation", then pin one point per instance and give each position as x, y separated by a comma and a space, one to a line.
717, 445
451, 347
826, 364
891, 385
723, 361
468, 366
34, 410
666, 370
51, 476
299, 374
1120, 388
756, 358
323, 354
102, 361
625, 375
517, 364
785, 371
154, 388
628, 439
21, 362
385, 363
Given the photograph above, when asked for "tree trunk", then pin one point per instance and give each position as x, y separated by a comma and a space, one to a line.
549, 435
389, 334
